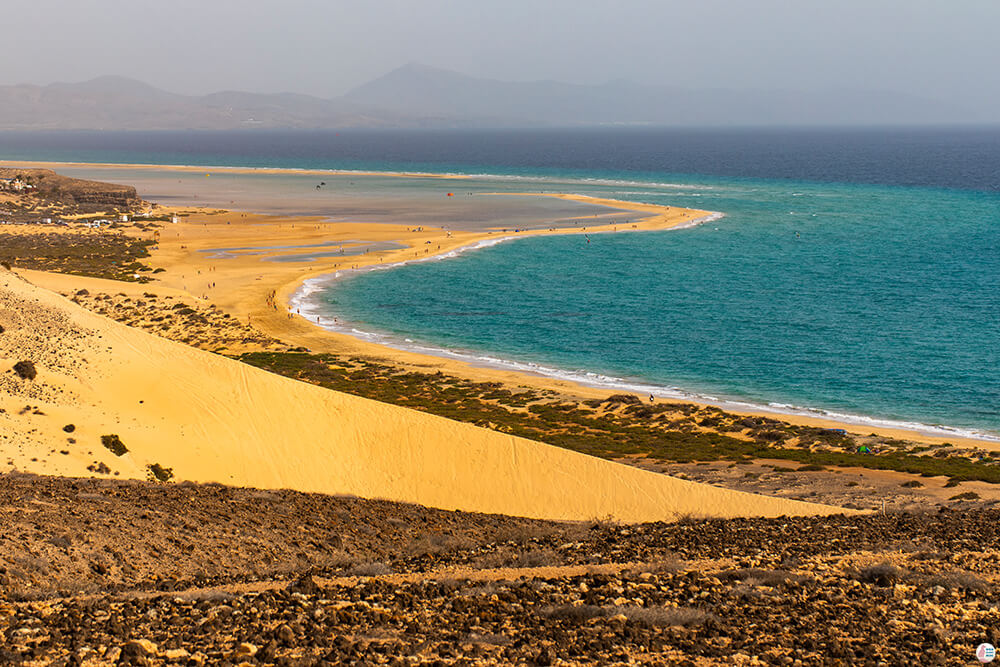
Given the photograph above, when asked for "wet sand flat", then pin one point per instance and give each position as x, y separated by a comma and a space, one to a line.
405, 200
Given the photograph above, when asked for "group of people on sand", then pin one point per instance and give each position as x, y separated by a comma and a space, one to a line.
269, 300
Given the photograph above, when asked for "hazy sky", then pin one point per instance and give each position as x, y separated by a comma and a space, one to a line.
933, 48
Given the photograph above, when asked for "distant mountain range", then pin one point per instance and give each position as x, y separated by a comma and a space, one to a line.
419, 96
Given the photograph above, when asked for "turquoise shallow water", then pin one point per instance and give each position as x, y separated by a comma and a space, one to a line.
856, 271
851, 299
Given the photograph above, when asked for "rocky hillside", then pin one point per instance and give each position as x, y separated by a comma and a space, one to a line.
51, 187
124, 572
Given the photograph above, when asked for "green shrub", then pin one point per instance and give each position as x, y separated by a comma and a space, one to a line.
114, 444
883, 574
637, 430
25, 370
159, 473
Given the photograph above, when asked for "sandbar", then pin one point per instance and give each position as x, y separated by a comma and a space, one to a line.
259, 291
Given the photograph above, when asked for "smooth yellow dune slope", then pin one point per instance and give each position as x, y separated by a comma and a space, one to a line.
213, 419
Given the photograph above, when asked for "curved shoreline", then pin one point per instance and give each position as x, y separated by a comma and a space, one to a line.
301, 302
517, 372
241, 295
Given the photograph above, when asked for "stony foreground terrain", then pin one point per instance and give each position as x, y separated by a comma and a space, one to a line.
126, 572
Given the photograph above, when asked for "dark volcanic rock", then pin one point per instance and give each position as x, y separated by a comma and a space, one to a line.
25, 370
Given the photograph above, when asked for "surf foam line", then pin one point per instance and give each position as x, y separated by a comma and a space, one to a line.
334, 171
610, 382
303, 304
305, 300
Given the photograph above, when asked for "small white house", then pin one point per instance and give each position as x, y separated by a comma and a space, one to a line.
14, 184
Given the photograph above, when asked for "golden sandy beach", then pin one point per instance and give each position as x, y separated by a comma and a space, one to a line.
244, 285
213, 419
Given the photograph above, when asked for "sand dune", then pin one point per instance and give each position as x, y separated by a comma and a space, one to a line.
213, 419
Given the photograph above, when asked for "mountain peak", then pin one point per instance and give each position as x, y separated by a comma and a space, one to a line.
111, 83
418, 67
415, 71
421, 95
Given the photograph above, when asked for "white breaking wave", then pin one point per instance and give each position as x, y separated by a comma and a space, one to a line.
304, 303
700, 221
304, 300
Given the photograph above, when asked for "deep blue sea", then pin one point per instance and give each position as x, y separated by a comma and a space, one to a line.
855, 273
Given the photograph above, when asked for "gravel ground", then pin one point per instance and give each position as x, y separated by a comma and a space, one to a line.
124, 572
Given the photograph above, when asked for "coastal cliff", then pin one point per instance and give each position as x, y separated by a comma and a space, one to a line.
51, 187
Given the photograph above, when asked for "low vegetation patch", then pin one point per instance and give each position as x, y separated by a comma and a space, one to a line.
883, 574
114, 444
951, 581
25, 370
621, 426
372, 569
159, 473
653, 617
114, 256
761, 577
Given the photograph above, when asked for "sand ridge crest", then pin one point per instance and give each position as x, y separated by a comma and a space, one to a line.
210, 418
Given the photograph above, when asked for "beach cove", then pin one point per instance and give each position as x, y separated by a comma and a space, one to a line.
242, 425
254, 277
238, 277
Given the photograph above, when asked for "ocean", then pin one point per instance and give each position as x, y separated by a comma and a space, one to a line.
855, 273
